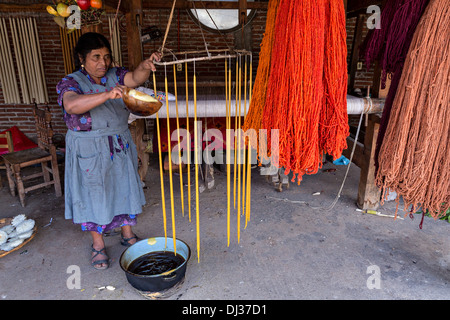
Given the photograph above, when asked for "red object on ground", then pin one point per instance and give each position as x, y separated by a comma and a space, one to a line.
20, 141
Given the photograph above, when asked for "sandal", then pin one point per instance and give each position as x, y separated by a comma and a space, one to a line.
126, 241
99, 262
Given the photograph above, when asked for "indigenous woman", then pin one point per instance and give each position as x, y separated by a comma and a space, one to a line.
103, 189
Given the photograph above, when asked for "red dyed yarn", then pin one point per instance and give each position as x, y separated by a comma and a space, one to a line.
306, 89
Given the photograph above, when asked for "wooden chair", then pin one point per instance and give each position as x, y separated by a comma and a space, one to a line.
45, 153
9, 145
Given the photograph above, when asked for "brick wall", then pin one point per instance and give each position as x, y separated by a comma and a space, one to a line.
49, 41
184, 35
363, 78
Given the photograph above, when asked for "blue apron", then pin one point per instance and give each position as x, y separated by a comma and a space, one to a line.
101, 177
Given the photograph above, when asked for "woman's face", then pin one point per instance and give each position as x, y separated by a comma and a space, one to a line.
97, 62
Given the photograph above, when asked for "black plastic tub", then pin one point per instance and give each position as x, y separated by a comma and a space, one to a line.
158, 282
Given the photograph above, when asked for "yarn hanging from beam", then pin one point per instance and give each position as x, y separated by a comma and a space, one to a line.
414, 159
389, 45
255, 111
306, 86
333, 125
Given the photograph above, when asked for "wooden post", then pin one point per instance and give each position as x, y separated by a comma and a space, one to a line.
134, 17
376, 81
357, 40
242, 12
368, 193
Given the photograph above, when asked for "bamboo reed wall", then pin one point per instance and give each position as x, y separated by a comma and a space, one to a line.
28, 59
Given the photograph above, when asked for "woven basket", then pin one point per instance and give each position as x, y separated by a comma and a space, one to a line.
7, 221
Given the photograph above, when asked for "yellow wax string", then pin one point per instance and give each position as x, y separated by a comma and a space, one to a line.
235, 141
244, 192
242, 164
169, 151
163, 198
250, 84
226, 94
245, 86
239, 161
180, 163
229, 100
249, 171
188, 147
196, 168
227, 151
229, 131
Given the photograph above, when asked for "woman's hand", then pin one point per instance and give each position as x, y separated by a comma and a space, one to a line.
75, 103
148, 63
140, 75
116, 92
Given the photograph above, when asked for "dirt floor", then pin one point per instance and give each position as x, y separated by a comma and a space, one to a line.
288, 250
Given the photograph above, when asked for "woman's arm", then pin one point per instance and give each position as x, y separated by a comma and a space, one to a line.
75, 103
142, 72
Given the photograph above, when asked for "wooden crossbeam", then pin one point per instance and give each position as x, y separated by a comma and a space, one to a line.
185, 4
355, 7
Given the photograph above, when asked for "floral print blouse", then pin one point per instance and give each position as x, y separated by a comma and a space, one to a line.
82, 122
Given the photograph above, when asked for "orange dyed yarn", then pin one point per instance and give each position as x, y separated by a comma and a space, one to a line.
255, 111
306, 90
333, 126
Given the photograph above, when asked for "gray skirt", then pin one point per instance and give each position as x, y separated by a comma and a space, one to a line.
101, 177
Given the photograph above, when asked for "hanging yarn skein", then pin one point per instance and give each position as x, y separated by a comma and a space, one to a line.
333, 125
255, 111
414, 158
390, 46
391, 42
295, 86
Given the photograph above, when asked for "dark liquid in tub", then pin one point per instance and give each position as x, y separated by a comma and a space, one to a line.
154, 263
